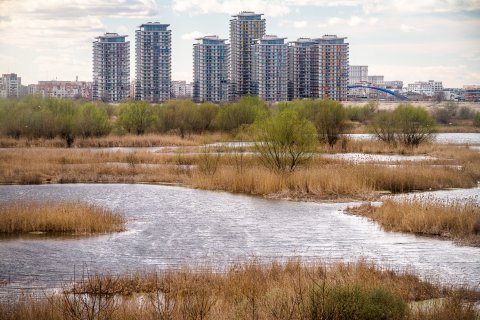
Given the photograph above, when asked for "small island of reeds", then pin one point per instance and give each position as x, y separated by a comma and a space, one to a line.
60, 217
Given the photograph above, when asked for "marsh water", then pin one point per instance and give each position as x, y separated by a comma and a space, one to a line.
172, 227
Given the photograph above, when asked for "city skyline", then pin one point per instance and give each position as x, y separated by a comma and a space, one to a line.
400, 40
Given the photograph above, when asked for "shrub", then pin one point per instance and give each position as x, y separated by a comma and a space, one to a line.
330, 119
406, 124
476, 120
242, 113
285, 141
415, 125
135, 116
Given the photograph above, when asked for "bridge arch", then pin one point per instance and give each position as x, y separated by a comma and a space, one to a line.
397, 95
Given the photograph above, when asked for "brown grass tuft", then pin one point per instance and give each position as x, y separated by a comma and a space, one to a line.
24, 217
455, 221
291, 290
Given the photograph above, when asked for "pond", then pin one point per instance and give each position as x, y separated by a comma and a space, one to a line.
171, 227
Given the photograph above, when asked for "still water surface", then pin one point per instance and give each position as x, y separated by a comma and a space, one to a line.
171, 227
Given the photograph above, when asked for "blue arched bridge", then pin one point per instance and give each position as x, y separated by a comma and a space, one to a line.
399, 96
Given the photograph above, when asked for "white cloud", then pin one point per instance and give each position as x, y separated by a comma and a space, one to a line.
190, 36
408, 28
74, 8
273, 8
353, 21
283, 7
295, 24
300, 24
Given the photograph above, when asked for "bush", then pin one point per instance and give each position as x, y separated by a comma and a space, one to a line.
93, 121
135, 116
353, 302
186, 117
242, 113
406, 124
330, 119
362, 114
383, 126
414, 124
476, 120
285, 141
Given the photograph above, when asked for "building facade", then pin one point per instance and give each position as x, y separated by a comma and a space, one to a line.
303, 70
10, 86
270, 68
153, 56
376, 81
210, 69
357, 75
244, 29
472, 93
63, 89
111, 68
333, 65
428, 88
181, 90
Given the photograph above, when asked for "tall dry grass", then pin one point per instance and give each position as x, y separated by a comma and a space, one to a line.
64, 217
240, 172
129, 140
457, 221
335, 180
291, 290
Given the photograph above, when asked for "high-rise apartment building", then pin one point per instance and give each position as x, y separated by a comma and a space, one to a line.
111, 67
245, 27
333, 64
358, 75
210, 69
270, 68
303, 71
10, 86
153, 53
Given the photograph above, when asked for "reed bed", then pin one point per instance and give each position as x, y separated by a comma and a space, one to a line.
239, 172
128, 140
291, 290
63, 217
457, 221
334, 180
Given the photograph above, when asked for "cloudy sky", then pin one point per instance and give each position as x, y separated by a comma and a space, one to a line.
405, 40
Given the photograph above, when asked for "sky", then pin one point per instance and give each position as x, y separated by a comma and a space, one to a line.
409, 40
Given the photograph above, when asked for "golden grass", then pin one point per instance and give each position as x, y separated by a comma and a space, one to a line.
332, 180
457, 221
64, 217
239, 172
291, 290
129, 140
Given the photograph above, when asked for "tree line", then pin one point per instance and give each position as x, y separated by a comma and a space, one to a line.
35, 117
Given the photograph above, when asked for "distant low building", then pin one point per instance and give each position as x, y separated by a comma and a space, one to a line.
472, 93
428, 88
10, 86
181, 90
357, 75
63, 89
376, 80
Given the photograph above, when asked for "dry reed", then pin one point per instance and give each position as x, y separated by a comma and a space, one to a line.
291, 290
64, 217
457, 221
240, 172
129, 140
